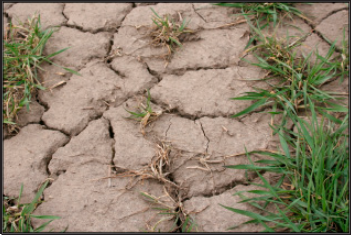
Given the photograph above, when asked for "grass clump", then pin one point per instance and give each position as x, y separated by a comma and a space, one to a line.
158, 169
312, 194
167, 32
144, 115
298, 78
266, 12
17, 217
170, 207
315, 163
23, 54
181, 221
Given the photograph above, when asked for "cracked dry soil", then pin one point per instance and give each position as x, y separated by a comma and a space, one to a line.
77, 134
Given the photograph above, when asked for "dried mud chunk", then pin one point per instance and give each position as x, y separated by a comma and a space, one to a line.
215, 16
211, 217
229, 136
142, 15
25, 159
203, 174
94, 16
32, 116
177, 11
91, 92
129, 41
136, 76
333, 26
132, 150
316, 12
216, 49
50, 13
182, 133
93, 143
207, 92
81, 198
52, 76
82, 47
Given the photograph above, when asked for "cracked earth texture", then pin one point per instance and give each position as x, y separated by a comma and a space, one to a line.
75, 132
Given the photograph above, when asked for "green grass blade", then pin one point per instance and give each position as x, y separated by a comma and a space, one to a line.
57, 52
250, 108
176, 41
30, 207
51, 217
155, 13
284, 144
42, 227
248, 213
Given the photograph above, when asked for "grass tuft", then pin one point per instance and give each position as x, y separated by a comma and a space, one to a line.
266, 12
298, 78
170, 207
182, 221
23, 54
312, 194
158, 169
144, 115
315, 164
167, 32
17, 217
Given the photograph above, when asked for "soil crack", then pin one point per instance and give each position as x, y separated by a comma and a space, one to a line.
81, 29
120, 74
112, 136
193, 8
208, 140
43, 103
13, 3
170, 124
178, 112
125, 16
181, 72
109, 49
154, 73
63, 13
48, 159
332, 13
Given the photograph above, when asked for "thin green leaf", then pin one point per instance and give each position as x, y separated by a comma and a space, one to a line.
250, 108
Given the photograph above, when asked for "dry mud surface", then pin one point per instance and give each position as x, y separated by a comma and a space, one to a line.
74, 133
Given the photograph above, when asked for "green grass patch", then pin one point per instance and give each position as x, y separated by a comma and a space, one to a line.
299, 78
144, 115
315, 164
167, 32
266, 12
312, 194
23, 54
17, 217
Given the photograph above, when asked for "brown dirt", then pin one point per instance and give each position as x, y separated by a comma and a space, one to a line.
77, 132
